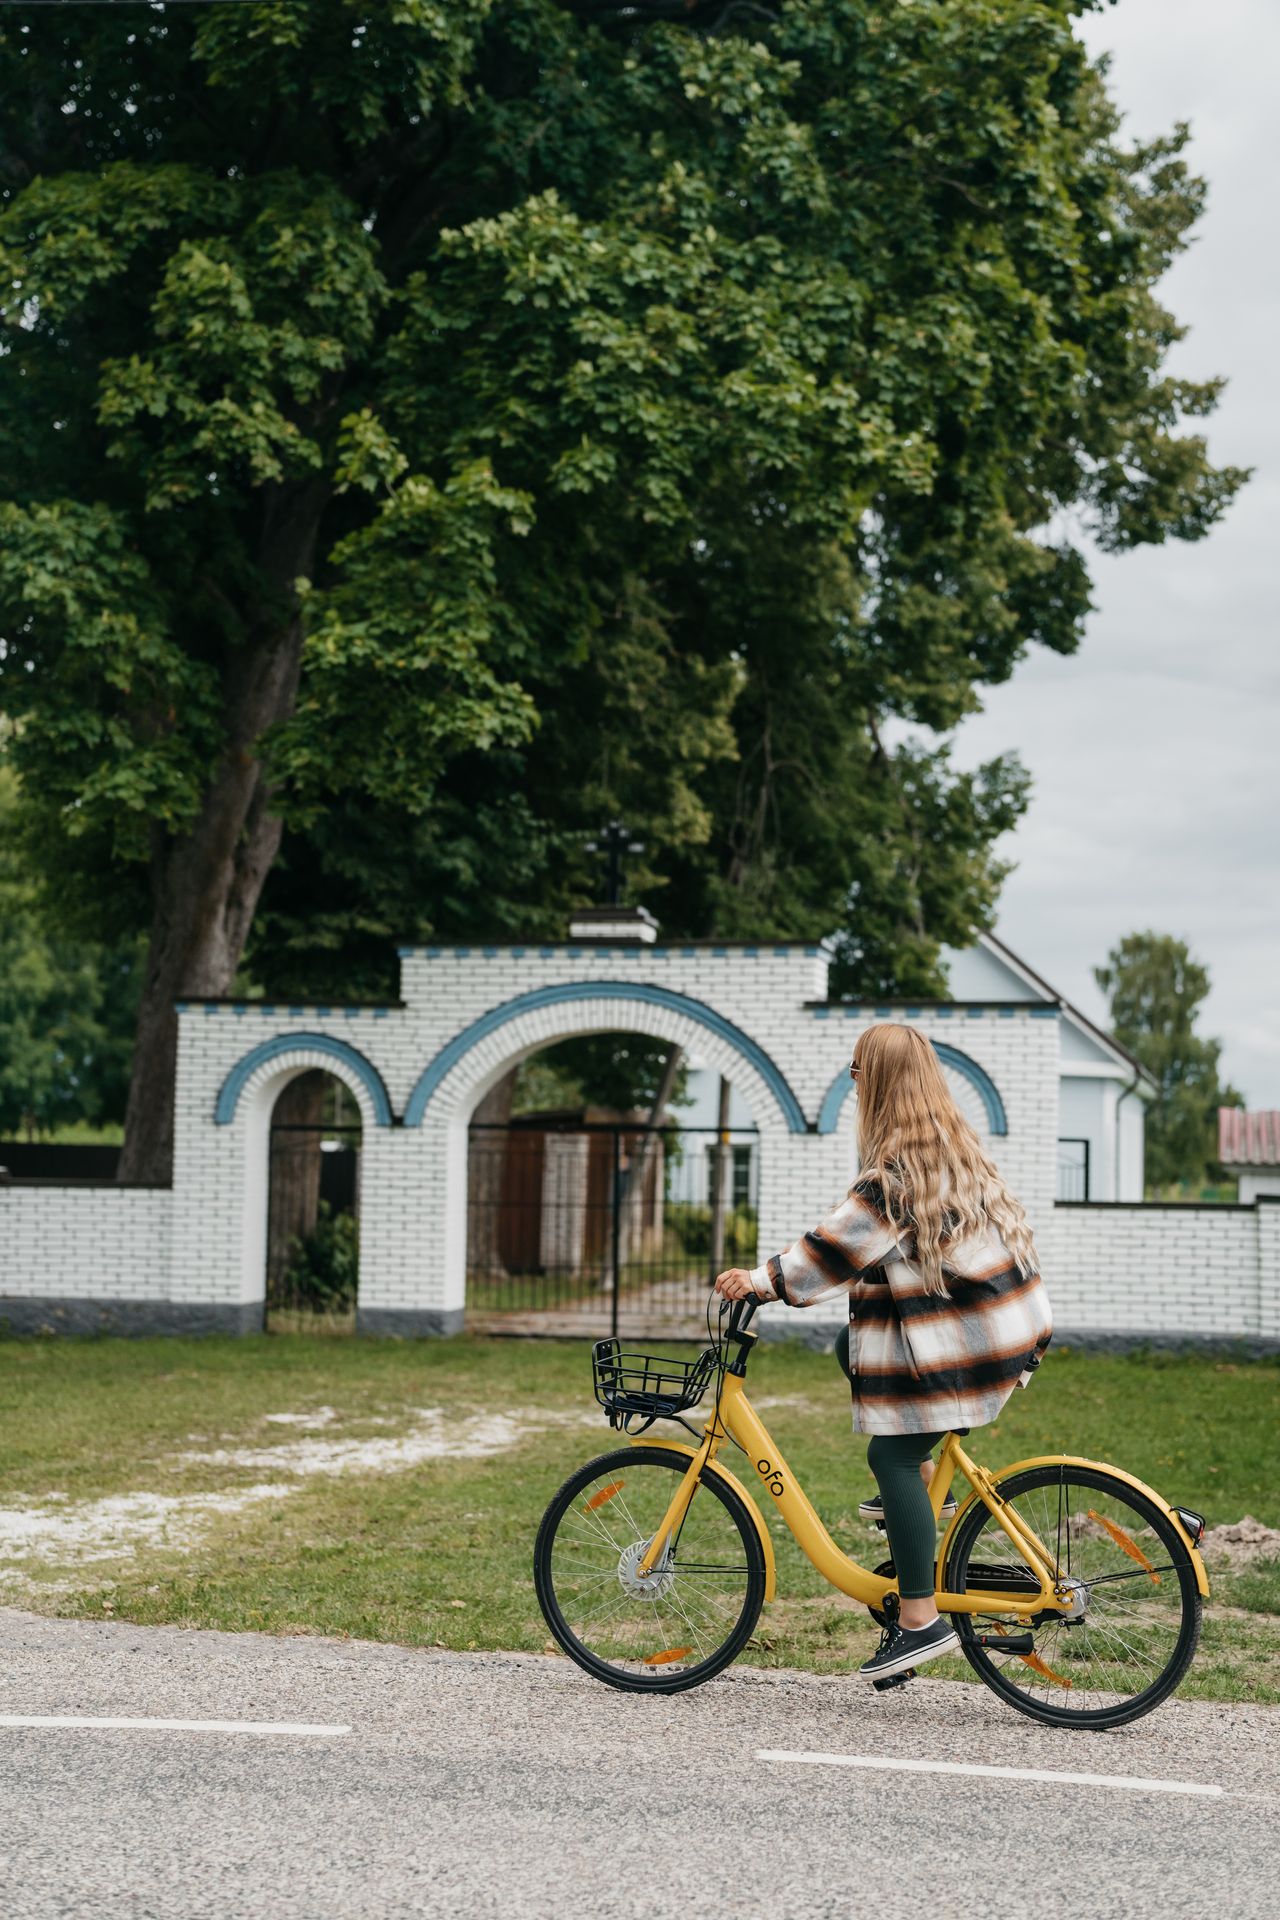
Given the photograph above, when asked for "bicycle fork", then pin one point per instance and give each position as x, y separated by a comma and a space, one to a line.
674, 1517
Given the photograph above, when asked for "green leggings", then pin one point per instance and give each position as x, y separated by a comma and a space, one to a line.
895, 1459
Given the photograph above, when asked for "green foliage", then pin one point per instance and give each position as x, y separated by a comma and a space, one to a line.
620, 1071
691, 1225
493, 417
1154, 989
324, 1269
66, 1009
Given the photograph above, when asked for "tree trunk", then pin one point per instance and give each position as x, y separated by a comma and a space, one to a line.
487, 1179
205, 887
636, 1179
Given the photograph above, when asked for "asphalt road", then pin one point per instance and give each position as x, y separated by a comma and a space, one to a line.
512, 1785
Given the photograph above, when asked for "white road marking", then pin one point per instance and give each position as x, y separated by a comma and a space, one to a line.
172, 1726
1133, 1781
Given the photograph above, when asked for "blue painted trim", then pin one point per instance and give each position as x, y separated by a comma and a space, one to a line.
997, 1120
228, 1100
1043, 1013
569, 991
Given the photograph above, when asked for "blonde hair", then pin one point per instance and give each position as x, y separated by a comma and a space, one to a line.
917, 1146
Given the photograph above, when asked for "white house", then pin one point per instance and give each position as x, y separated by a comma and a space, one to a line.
1102, 1090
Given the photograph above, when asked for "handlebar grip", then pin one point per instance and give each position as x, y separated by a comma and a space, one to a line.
744, 1312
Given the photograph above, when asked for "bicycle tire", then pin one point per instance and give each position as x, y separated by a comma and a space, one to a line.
628, 1460
1051, 1713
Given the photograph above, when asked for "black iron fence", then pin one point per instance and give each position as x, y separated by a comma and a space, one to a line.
607, 1222
313, 1232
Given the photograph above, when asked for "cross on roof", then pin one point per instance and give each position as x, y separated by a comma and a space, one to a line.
614, 842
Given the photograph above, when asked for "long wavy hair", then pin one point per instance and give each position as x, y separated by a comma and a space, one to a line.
915, 1143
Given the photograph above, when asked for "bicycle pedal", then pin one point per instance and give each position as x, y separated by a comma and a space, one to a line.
893, 1680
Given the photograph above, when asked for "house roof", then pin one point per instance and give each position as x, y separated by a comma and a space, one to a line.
1248, 1139
1098, 1035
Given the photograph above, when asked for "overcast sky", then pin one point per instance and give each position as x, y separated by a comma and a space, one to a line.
1154, 749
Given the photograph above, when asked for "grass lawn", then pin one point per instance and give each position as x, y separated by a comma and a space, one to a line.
398, 1499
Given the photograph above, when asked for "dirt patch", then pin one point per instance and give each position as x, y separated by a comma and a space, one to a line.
433, 1435
38, 1534
71, 1533
1241, 1542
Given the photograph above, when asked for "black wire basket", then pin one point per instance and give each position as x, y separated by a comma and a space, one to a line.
651, 1385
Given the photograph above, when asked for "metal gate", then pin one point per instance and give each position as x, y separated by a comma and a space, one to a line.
313, 1208
604, 1227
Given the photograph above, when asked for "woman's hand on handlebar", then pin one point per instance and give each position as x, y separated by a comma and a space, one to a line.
735, 1284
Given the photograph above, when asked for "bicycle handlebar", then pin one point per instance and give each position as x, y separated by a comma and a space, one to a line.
743, 1312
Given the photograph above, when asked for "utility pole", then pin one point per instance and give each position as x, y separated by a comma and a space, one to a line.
720, 1159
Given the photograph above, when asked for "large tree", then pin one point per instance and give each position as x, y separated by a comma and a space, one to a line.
424, 428
66, 1007
1154, 991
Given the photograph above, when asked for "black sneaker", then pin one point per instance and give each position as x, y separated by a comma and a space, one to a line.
904, 1647
873, 1509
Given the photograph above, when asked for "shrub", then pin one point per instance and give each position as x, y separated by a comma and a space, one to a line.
324, 1269
691, 1225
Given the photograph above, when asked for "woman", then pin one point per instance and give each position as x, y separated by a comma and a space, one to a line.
947, 1313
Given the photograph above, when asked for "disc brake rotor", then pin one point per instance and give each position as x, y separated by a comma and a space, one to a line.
640, 1586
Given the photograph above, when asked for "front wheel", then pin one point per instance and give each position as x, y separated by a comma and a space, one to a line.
690, 1616
1134, 1619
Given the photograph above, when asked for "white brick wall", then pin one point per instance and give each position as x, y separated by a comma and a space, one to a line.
110, 1243
204, 1243
1169, 1270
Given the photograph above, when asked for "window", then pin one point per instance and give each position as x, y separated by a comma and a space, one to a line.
1073, 1170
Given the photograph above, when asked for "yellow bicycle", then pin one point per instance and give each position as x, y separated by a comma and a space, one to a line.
1076, 1590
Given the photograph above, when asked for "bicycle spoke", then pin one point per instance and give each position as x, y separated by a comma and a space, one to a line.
1132, 1627
691, 1608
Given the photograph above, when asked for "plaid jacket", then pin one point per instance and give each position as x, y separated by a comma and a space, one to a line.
921, 1363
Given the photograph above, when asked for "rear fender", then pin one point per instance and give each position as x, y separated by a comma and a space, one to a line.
722, 1473
1102, 1466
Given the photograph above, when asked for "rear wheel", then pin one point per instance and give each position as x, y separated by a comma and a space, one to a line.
1135, 1616
687, 1619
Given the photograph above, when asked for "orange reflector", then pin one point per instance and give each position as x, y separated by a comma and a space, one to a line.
1034, 1660
667, 1655
1126, 1543
605, 1493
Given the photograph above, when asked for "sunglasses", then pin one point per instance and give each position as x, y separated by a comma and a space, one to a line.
853, 1069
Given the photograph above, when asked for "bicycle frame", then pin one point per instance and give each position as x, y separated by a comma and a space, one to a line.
736, 1419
